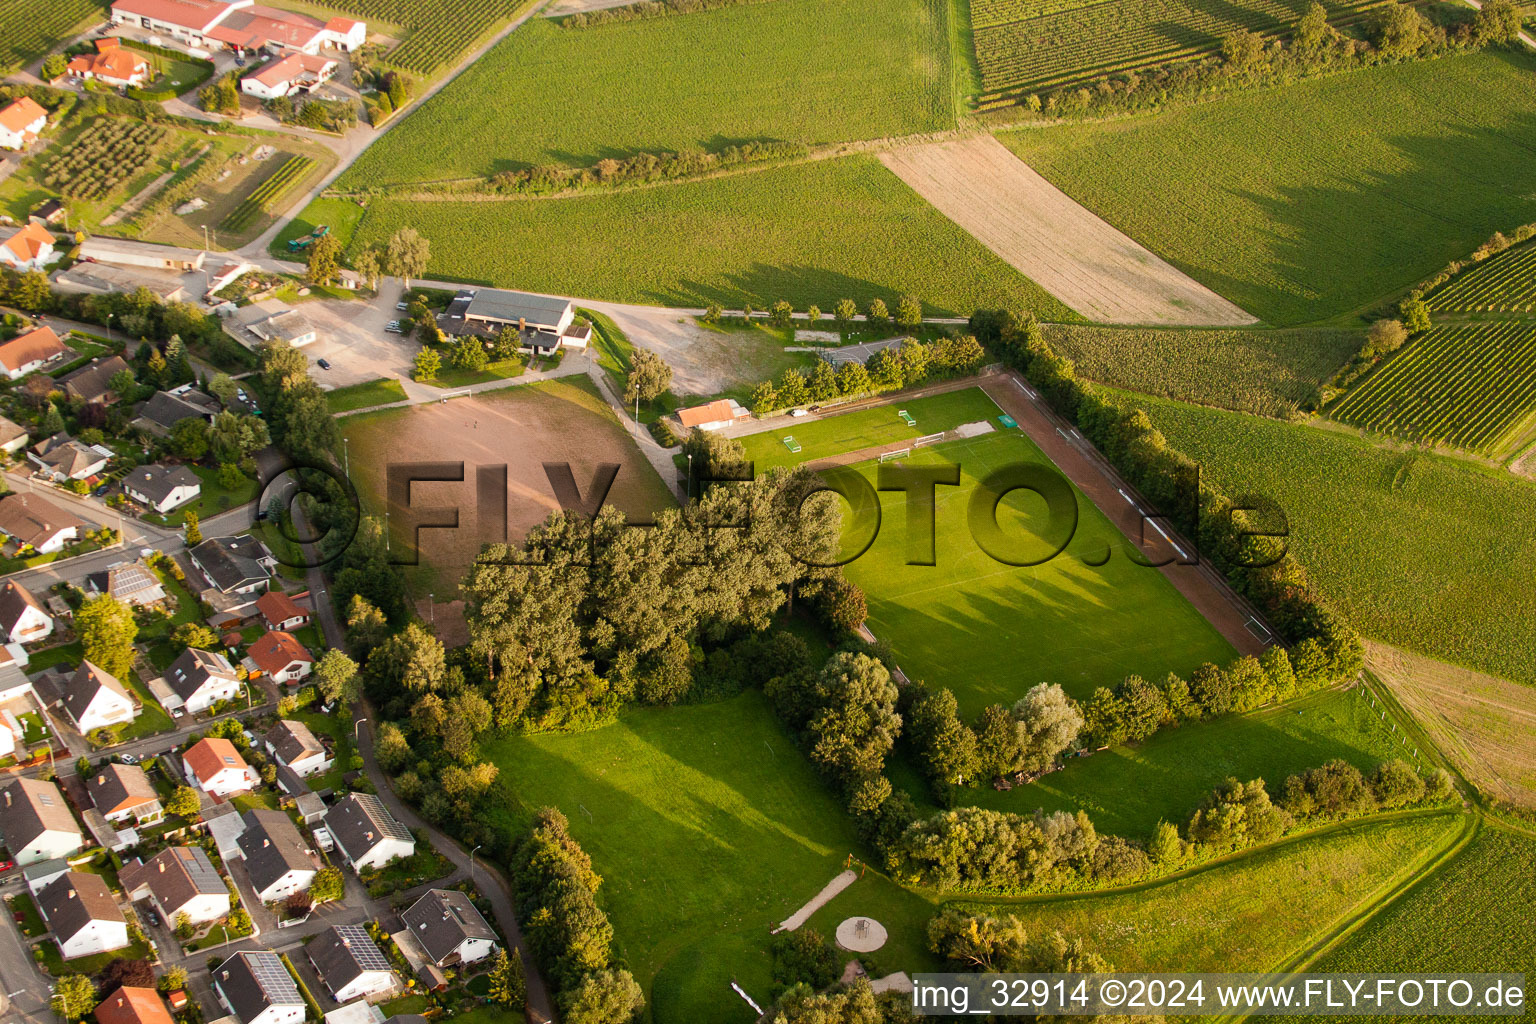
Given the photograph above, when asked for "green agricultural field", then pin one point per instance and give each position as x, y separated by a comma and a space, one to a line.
1421, 551
553, 95
989, 631
1267, 372
1474, 914
1471, 386
1037, 45
1503, 283
869, 428
29, 29
1318, 199
808, 233
1252, 913
708, 827
1173, 771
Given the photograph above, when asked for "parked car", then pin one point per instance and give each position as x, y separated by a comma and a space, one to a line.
322, 364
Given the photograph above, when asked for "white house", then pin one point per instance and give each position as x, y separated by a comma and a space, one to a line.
180, 880
349, 963
35, 821
256, 987
293, 744
20, 122
214, 766
82, 915
367, 835
448, 928
22, 618
95, 699
201, 679
27, 248
277, 859
293, 74
162, 488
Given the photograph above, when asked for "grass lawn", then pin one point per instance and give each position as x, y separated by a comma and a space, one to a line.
809, 233
738, 831
1171, 772
988, 630
1249, 914
868, 428
365, 395
1305, 202
552, 95
1421, 551
1474, 914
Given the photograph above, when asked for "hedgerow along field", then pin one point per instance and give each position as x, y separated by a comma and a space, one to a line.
1320, 199
1025, 46
989, 631
1503, 283
1252, 913
1266, 372
262, 199
1470, 386
805, 71
708, 827
809, 233
1421, 551
29, 29
1472, 914
437, 33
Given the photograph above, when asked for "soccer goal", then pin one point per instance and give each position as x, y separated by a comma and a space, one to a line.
928, 439
900, 453
791, 443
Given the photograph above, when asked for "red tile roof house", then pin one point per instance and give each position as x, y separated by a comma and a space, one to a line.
216, 767
207, 25
30, 351
111, 64
20, 122
281, 656
279, 611
28, 248
293, 74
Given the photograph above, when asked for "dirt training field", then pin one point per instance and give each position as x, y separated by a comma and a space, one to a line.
521, 428
1487, 725
1055, 242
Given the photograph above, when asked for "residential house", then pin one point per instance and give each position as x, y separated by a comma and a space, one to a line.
129, 1005
256, 987
277, 858
234, 565
164, 409
716, 415
30, 351
449, 929
204, 26
20, 122
61, 458
350, 965
95, 699
279, 611
122, 792
35, 821
27, 248
22, 618
201, 679
543, 323
367, 835
82, 915
133, 584
13, 436
162, 488
34, 521
180, 880
293, 744
294, 74
93, 381
112, 64
213, 765
281, 656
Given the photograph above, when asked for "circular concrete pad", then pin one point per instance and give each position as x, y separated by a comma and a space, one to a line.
861, 935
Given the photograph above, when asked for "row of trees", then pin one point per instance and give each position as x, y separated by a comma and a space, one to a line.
978, 850
555, 887
890, 369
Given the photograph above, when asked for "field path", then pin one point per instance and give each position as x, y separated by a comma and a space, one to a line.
1053, 240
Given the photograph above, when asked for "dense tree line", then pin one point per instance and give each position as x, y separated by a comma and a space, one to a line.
978, 850
1324, 648
555, 887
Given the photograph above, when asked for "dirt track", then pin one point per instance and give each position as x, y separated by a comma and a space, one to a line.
1053, 240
